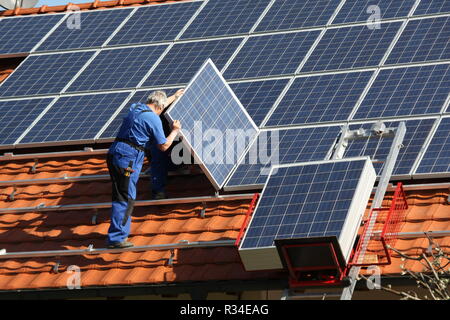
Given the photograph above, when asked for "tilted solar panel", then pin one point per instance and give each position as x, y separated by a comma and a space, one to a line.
320, 99
225, 17
155, 23
212, 120
20, 35
281, 147
75, 118
432, 7
406, 91
422, 40
84, 29
417, 132
437, 155
44, 74
140, 96
258, 97
117, 68
17, 115
308, 200
369, 10
271, 55
351, 47
184, 59
285, 15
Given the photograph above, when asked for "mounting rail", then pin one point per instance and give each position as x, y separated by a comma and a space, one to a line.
183, 244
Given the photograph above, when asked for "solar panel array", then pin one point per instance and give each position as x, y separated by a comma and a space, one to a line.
295, 65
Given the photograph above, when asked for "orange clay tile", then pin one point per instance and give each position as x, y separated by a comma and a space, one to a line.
37, 231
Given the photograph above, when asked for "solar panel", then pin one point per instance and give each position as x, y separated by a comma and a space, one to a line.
281, 147
309, 200
351, 47
155, 23
17, 115
21, 34
44, 74
75, 118
94, 29
437, 155
271, 55
432, 7
320, 99
225, 17
284, 15
422, 40
378, 148
211, 113
258, 97
367, 10
184, 59
406, 91
140, 96
117, 68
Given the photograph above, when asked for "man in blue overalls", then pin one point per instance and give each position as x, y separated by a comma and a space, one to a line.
125, 157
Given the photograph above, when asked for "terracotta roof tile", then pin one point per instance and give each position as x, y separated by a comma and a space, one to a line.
56, 230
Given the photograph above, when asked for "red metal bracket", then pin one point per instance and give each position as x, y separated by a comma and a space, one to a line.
381, 231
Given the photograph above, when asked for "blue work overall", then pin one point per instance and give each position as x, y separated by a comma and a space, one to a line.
125, 159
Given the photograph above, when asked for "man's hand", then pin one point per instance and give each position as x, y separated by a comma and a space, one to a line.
179, 93
176, 126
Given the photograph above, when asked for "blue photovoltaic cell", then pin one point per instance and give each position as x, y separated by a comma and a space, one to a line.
351, 47
225, 17
406, 91
44, 74
17, 115
271, 55
422, 40
94, 29
208, 104
378, 148
364, 10
432, 6
282, 147
184, 59
117, 68
258, 97
320, 99
21, 34
140, 96
437, 156
304, 201
75, 118
155, 23
293, 14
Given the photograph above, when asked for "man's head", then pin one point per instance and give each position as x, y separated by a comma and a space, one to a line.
158, 99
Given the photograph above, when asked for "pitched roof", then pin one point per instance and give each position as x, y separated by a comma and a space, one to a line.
95, 5
31, 229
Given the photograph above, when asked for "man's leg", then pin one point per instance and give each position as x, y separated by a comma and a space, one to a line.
123, 195
158, 171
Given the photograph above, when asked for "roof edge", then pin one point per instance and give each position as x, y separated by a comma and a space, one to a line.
96, 5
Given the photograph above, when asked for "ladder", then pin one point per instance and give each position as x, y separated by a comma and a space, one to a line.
377, 131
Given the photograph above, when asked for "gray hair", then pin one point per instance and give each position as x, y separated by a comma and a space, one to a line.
158, 98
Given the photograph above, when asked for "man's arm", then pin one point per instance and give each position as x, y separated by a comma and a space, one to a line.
176, 126
172, 99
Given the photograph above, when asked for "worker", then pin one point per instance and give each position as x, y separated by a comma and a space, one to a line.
125, 157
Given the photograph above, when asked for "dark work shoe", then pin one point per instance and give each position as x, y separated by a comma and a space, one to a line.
159, 196
120, 245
